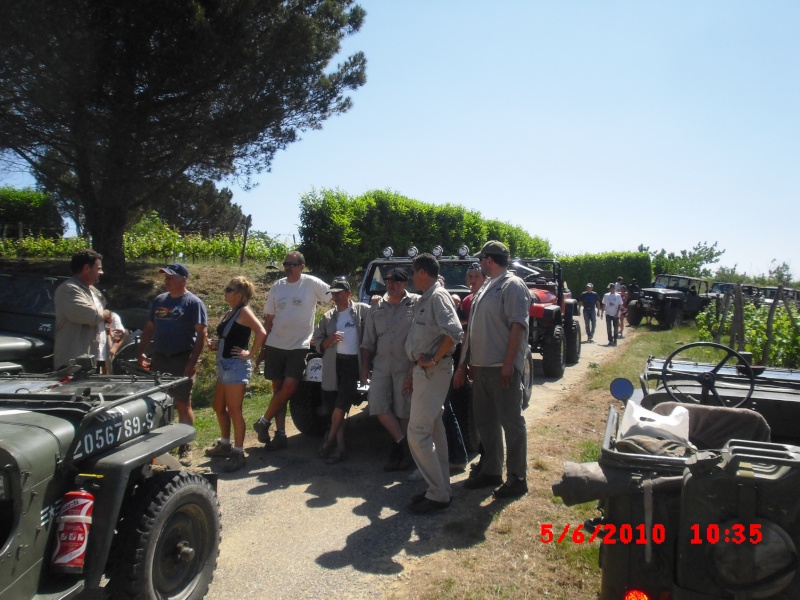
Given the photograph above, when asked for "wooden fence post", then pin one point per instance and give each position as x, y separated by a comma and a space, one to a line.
770, 318
725, 306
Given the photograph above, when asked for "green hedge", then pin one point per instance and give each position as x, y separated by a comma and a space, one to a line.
36, 211
602, 269
340, 233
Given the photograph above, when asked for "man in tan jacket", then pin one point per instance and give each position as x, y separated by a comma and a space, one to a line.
79, 309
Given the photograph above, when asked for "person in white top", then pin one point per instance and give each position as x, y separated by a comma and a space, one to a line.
612, 305
289, 321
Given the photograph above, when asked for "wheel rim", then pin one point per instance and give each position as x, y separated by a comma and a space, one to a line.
181, 552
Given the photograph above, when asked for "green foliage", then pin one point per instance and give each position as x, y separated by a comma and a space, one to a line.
785, 348
687, 262
604, 268
152, 239
36, 211
340, 233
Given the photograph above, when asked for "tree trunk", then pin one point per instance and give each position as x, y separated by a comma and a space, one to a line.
106, 226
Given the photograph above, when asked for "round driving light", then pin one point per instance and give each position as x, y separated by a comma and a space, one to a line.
463, 250
412, 252
437, 251
388, 252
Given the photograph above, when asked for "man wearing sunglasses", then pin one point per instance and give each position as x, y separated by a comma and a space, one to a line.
289, 320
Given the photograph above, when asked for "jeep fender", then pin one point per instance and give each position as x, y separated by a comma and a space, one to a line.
571, 309
116, 467
547, 312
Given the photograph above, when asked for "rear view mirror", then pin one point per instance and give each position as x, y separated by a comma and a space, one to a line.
621, 389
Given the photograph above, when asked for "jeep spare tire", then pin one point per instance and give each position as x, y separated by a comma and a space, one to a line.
305, 407
635, 313
573, 330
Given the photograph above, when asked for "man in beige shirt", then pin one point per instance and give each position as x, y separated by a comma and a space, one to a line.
79, 309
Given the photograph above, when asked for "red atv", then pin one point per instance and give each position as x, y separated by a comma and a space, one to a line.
554, 329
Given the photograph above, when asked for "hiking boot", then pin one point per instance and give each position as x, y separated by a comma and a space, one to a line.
218, 449
262, 429
512, 489
185, 455
482, 481
234, 463
279, 442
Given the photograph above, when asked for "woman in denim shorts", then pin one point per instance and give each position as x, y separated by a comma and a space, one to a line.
234, 368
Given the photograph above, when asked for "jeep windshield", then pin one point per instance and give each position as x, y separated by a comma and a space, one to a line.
28, 294
676, 282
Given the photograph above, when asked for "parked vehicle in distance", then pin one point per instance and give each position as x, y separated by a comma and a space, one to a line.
697, 481
670, 299
770, 293
88, 489
749, 291
27, 322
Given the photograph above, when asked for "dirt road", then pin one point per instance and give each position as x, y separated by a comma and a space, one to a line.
295, 527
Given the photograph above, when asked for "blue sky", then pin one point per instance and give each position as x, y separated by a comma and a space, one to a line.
598, 125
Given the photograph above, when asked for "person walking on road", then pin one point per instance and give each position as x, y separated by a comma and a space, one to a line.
612, 304
289, 322
431, 340
495, 351
591, 306
177, 327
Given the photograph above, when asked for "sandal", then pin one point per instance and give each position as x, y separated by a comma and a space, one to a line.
335, 457
325, 449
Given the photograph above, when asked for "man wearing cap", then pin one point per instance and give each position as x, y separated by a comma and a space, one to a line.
591, 305
80, 311
178, 329
434, 333
612, 304
289, 320
383, 348
495, 350
338, 337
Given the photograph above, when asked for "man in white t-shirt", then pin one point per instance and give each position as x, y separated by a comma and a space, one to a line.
612, 303
289, 320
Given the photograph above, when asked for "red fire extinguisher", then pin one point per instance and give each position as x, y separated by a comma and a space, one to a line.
72, 535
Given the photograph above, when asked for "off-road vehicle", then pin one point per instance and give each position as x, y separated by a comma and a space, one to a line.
698, 481
670, 299
770, 293
87, 488
27, 322
749, 292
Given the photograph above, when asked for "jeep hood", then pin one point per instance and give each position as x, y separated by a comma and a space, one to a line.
15, 345
34, 440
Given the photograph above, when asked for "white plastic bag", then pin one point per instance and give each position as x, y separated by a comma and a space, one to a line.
640, 421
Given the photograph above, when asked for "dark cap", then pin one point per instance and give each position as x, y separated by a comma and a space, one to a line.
397, 274
494, 247
339, 284
175, 269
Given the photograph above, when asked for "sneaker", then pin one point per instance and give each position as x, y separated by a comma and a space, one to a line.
512, 489
218, 449
234, 463
621, 336
426, 506
279, 442
482, 481
415, 475
185, 455
262, 429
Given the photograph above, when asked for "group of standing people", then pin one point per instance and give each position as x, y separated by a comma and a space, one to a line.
403, 343
614, 304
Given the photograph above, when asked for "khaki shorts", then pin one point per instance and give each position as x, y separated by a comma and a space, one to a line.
282, 364
174, 364
386, 394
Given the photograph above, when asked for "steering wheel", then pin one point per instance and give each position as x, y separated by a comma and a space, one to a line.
708, 378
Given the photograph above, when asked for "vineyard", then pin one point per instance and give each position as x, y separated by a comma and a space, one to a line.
151, 239
784, 350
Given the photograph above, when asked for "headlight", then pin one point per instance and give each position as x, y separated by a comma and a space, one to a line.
463, 251
388, 252
412, 252
437, 251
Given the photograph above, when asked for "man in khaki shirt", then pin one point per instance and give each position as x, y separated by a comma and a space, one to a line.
79, 309
434, 333
383, 346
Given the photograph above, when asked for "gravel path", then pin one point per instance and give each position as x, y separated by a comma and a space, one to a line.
295, 527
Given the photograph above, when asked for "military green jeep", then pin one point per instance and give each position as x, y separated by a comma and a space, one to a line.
87, 489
